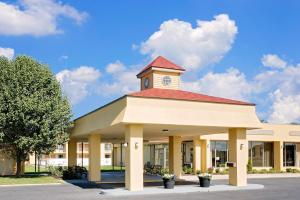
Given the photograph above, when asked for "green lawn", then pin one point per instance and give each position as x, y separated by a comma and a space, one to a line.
11, 180
30, 169
110, 168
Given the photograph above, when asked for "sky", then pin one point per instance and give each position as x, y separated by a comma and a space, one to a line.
244, 50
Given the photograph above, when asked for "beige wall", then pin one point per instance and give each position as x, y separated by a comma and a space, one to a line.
158, 80
268, 132
7, 165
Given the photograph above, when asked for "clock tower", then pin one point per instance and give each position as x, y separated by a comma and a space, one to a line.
161, 73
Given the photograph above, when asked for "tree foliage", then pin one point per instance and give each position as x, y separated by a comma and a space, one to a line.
34, 114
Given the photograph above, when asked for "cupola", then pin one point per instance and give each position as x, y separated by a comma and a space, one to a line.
161, 73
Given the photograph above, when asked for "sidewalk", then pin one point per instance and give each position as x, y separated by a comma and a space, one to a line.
179, 189
250, 176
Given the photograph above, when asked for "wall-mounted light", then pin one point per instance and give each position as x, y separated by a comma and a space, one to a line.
136, 145
125, 144
241, 146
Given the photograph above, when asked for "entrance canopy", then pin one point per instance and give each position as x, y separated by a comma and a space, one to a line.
166, 116
162, 110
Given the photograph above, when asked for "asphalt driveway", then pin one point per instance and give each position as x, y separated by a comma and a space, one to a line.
279, 188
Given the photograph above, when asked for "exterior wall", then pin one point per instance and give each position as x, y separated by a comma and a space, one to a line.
200, 114
60, 156
7, 166
158, 80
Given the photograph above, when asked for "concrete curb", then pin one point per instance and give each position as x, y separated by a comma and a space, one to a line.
179, 190
38, 184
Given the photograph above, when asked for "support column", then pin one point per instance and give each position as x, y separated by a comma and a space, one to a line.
238, 153
94, 157
134, 176
278, 156
205, 155
196, 154
72, 152
175, 155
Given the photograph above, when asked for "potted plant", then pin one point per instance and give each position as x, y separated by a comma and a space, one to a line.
204, 179
169, 181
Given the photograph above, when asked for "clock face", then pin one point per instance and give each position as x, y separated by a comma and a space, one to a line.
166, 81
146, 82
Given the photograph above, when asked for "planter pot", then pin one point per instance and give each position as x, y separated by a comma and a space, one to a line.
204, 182
169, 183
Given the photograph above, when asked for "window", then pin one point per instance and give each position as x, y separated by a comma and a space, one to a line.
219, 153
289, 155
166, 81
60, 147
107, 155
261, 153
107, 147
60, 156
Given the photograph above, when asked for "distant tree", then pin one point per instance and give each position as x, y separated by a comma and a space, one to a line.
263, 121
295, 123
34, 114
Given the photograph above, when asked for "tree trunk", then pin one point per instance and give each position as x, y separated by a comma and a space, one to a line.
19, 165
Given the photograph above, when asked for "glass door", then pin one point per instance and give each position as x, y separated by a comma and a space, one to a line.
289, 153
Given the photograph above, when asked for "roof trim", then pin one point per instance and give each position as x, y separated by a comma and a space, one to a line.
157, 64
164, 98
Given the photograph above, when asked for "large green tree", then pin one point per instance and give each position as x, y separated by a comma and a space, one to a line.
34, 114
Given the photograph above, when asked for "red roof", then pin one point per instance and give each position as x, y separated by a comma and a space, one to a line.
161, 62
184, 95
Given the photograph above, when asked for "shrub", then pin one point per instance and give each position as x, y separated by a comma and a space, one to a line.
222, 165
56, 170
289, 170
75, 172
263, 171
187, 170
272, 171
217, 171
249, 166
210, 170
164, 171
168, 177
205, 175
198, 172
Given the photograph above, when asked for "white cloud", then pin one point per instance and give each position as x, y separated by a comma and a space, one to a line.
283, 86
193, 48
7, 52
123, 80
78, 82
231, 84
273, 60
36, 17
286, 108
115, 67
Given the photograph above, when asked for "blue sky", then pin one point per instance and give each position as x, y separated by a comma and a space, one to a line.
246, 50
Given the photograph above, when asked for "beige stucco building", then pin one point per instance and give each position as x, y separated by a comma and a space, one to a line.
60, 156
163, 112
161, 124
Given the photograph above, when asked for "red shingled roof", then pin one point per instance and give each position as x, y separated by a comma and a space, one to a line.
161, 62
184, 95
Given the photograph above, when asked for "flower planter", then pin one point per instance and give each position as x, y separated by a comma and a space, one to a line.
169, 183
204, 181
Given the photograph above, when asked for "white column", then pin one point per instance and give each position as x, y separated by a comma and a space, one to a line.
134, 172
